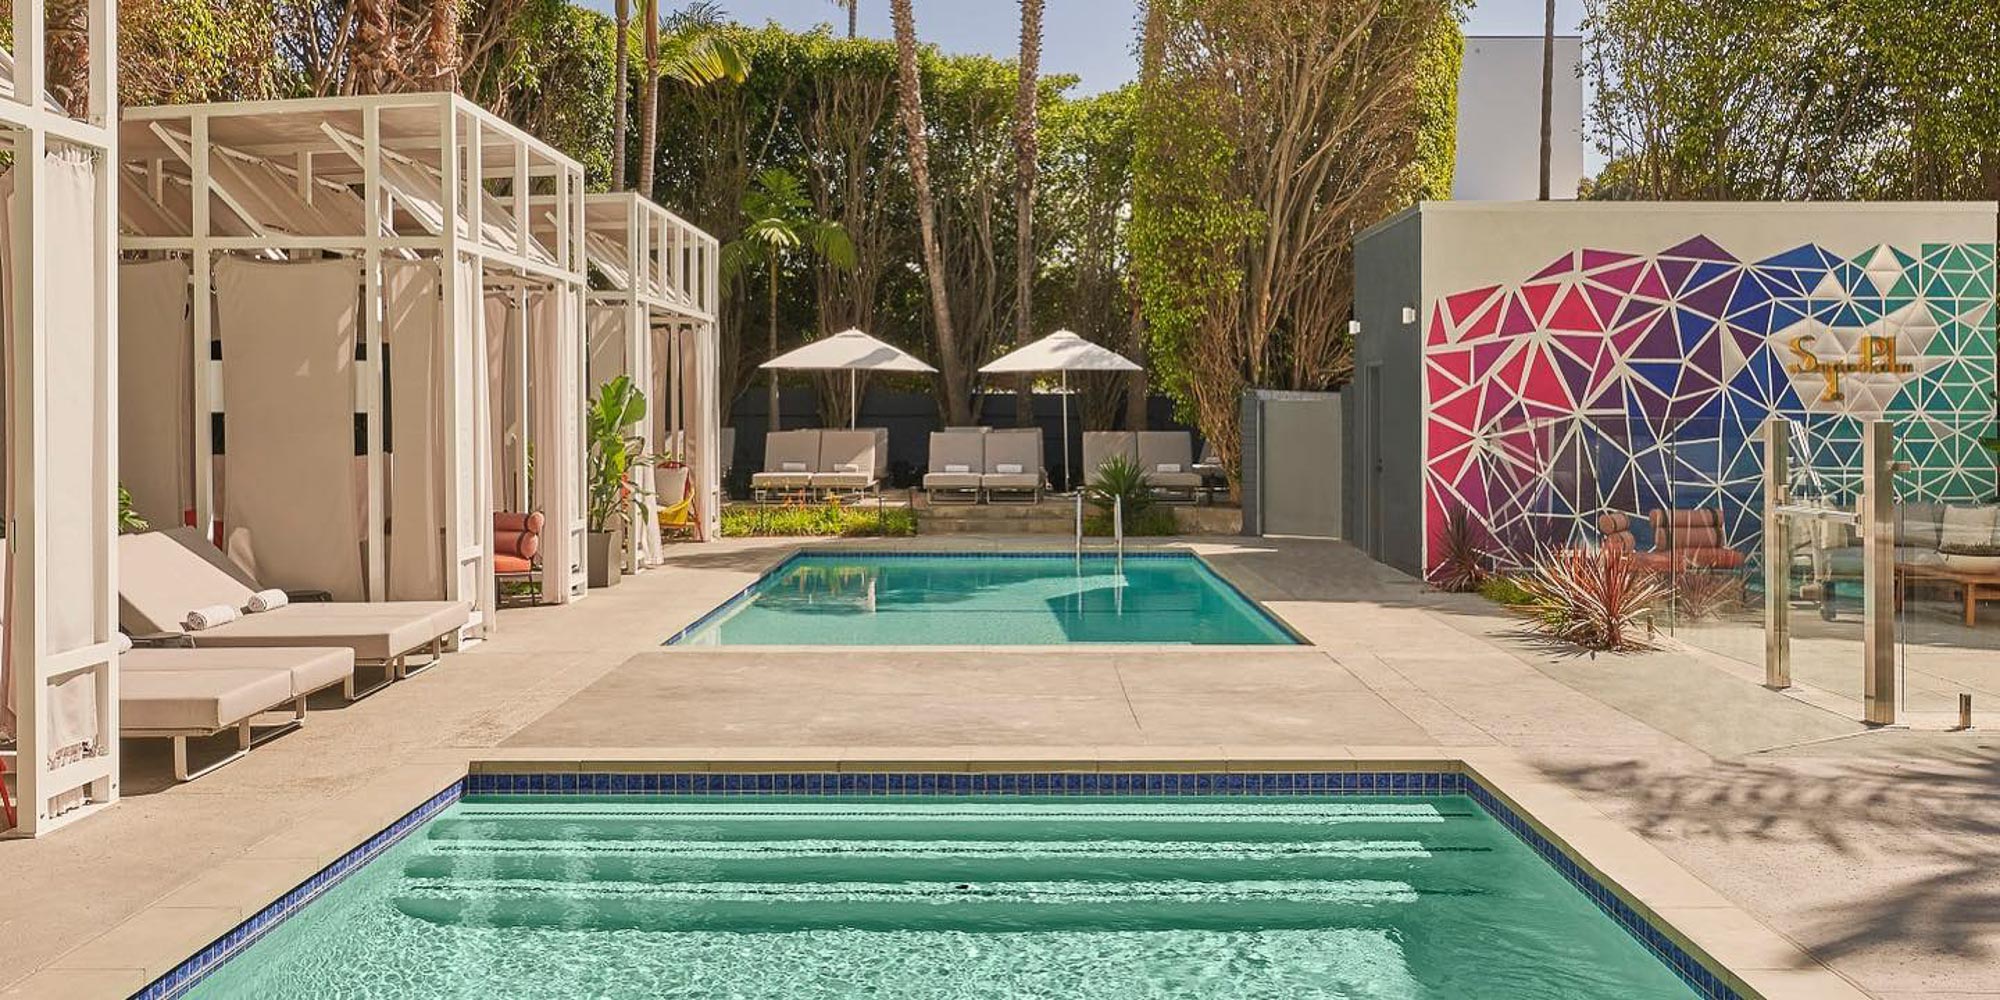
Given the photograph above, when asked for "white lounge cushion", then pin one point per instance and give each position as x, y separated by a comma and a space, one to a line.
792, 467
1167, 467
957, 467
1008, 468
1968, 526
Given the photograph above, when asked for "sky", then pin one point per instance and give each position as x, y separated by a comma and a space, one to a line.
1093, 39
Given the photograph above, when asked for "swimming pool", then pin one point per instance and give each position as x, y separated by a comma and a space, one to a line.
954, 897
987, 599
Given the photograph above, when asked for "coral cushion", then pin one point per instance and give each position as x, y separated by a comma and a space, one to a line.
511, 564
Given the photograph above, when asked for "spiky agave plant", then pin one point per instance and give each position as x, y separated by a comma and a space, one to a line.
1597, 599
1463, 564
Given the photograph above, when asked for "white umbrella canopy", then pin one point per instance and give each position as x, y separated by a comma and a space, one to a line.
1065, 352
850, 351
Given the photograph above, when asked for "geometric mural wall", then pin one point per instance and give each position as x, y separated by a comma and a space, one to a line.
1616, 381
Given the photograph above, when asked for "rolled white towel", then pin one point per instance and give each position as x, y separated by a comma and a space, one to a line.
209, 617
123, 642
266, 600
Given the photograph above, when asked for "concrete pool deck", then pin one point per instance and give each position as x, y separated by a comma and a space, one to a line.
1871, 850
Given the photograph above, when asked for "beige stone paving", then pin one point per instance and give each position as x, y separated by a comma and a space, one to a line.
1875, 851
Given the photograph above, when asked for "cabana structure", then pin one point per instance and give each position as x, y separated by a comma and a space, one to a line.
323, 272
58, 282
652, 316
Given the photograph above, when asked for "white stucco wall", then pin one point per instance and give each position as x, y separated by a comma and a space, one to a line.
1500, 119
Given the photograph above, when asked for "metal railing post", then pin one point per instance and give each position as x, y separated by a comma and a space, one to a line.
1118, 525
1881, 695
1777, 556
1079, 525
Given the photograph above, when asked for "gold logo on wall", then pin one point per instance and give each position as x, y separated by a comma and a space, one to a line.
1878, 357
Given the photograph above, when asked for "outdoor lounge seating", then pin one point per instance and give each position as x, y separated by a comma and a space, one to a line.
789, 460
1682, 539
957, 460
851, 461
1013, 465
183, 694
163, 576
1167, 459
517, 544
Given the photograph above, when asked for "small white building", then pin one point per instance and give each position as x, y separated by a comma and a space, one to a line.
1500, 119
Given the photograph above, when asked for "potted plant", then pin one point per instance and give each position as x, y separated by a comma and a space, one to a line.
614, 453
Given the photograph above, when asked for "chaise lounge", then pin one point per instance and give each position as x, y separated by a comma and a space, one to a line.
165, 575
789, 460
851, 461
1014, 465
957, 460
1167, 459
183, 694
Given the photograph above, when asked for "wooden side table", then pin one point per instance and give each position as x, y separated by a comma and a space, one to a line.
1972, 587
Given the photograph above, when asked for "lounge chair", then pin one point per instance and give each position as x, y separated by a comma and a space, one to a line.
789, 460
1167, 458
183, 694
517, 544
1100, 446
1013, 465
851, 461
958, 457
163, 575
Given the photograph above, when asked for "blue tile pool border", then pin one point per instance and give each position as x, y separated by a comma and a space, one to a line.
1698, 976
723, 609
183, 977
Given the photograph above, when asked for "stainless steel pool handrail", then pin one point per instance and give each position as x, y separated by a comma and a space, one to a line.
1079, 524
1118, 527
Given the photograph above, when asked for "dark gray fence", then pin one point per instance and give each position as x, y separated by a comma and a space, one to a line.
910, 417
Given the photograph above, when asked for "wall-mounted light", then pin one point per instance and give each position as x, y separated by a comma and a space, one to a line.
1409, 315
1354, 328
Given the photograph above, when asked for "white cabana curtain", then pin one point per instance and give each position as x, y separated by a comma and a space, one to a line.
504, 389
604, 350
288, 384
412, 330
155, 389
70, 479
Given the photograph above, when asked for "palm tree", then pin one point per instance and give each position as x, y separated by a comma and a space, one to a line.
695, 53
1024, 200
778, 221
1548, 88
621, 84
853, 14
910, 107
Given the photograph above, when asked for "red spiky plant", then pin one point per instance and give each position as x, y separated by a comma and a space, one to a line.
1463, 564
1596, 599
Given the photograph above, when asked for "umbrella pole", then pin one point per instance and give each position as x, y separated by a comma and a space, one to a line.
853, 399
1069, 474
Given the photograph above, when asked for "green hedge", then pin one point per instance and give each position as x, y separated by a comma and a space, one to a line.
824, 520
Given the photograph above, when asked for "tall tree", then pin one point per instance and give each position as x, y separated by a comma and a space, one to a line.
1548, 89
778, 223
1024, 199
952, 370
621, 88
694, 52
1271, 132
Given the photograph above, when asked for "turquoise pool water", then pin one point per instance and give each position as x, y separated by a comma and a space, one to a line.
1001, 600
772, 898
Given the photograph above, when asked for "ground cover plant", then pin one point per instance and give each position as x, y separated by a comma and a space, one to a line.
816, 520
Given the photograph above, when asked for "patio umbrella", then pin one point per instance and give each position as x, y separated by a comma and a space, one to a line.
853, 352
1065, 352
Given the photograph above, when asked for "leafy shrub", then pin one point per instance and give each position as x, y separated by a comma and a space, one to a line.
1121, 477
816, 520
1153, 522
1502, 589
1597, 599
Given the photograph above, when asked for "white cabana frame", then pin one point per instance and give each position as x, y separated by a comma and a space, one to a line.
380, 178
663, 274
43, 428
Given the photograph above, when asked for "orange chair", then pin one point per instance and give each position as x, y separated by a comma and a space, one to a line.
1692, 539
517, 540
